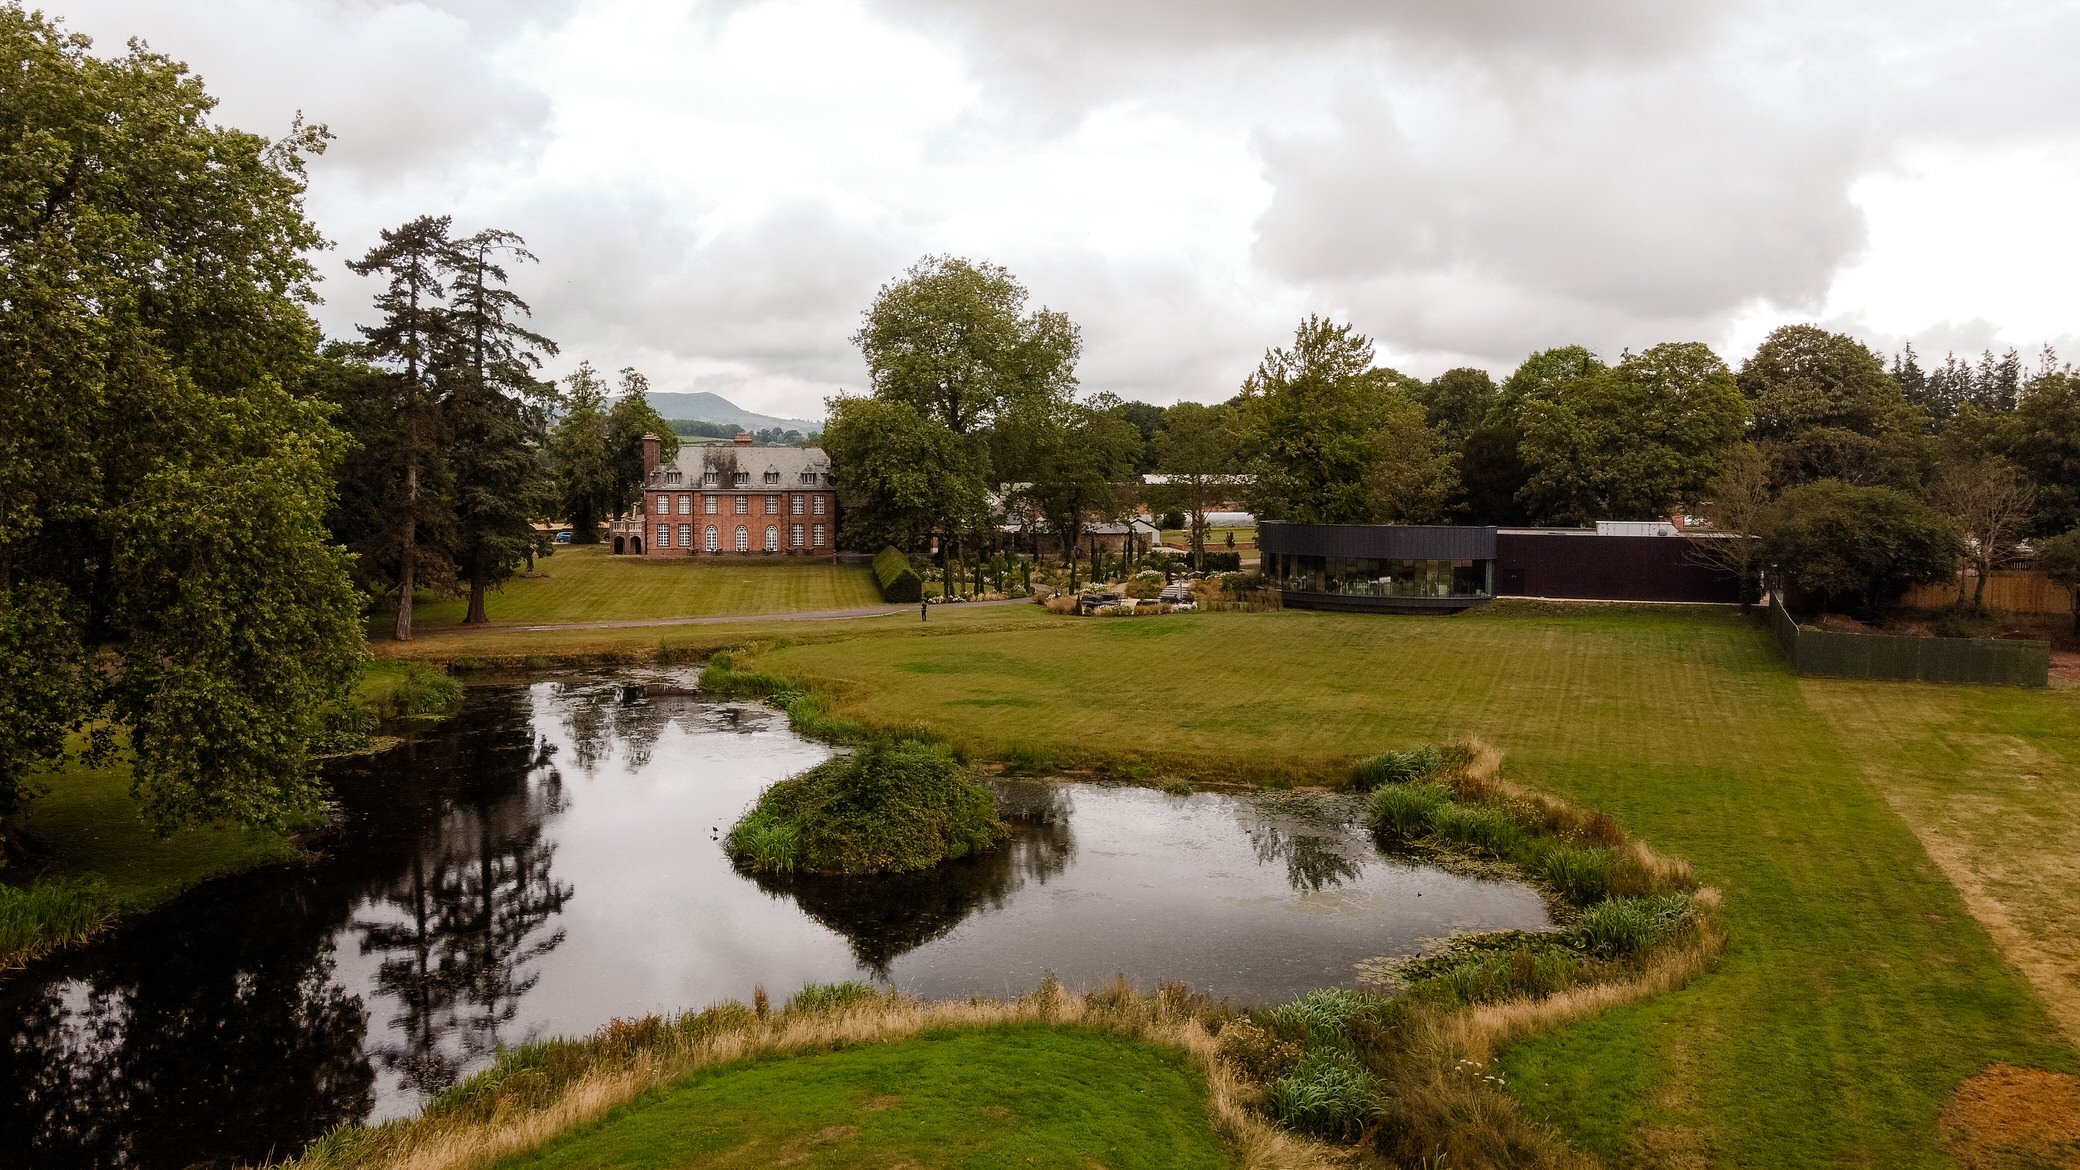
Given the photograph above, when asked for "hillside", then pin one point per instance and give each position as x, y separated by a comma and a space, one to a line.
714, 408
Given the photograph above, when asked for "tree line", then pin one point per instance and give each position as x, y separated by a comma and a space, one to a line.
1853, 478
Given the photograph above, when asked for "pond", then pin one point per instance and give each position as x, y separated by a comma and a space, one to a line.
550, 859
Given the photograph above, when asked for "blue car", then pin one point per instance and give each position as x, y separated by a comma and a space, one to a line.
563, 538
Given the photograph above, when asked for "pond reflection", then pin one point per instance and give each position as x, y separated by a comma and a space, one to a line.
549, 860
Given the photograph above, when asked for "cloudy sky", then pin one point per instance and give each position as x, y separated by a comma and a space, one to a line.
716, 189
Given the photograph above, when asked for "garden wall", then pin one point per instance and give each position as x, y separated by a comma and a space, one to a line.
1955, 660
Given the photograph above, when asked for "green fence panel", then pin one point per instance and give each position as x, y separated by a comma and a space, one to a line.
1887, 656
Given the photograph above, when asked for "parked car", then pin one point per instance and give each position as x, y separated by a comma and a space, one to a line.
563, 537
1178, 596
1088, 602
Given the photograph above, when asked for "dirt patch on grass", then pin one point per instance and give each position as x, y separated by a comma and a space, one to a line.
2010, 1118
2065, 668
877, 1104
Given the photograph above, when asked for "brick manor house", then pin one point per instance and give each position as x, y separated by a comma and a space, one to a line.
733, 499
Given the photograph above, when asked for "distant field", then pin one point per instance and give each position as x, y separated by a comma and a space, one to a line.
584, 583
1859, 991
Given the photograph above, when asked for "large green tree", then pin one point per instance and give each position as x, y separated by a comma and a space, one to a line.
1456, 401
1826, 409
1847, 546
1195, 451
1074, 461
1624, 442
2042, 437
952, 339
902, 474
163, 559
1307, 424
596, 448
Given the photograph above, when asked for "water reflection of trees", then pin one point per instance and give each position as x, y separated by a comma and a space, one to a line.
1313, 861
470, 915
198, 1049
886, 916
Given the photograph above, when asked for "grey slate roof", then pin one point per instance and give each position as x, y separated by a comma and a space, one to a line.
727, 459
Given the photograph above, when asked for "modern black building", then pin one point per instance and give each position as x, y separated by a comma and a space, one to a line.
1379, 568
1416, 568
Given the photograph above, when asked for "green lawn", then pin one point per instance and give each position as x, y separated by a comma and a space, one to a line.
1008, 1097
1858, 990
87, 825
588, 584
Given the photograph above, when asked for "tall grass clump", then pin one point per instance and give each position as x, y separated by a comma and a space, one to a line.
416, 690
1406, 809
1396, 768
1330, 1095
38, 919
1489, 830
893, 806
1627, 926
831, 997
1580, 875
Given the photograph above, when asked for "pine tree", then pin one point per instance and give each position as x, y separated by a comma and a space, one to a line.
497, 413
415, 334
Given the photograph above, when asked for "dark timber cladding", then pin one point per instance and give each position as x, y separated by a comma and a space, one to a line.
1575, 563
1404, 542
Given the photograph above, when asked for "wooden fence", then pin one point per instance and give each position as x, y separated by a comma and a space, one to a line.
1960, 660
2018, 590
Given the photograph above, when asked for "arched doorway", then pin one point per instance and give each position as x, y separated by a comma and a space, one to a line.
635, 545
617, 546
743, 539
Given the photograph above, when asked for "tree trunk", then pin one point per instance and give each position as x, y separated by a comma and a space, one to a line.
476, 616
1979, 592
409, 541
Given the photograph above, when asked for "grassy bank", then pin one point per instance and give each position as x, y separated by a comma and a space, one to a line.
589, 584
993, 1096
1859, 993
1111, 1078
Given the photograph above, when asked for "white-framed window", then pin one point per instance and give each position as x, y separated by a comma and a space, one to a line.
772, 505
772, 477
664, 536
818, 533
686, 536
713, 541
743, 505
686, 505
710, 478
794, 536
809, 477
819, 505
795, 505
664, 505
743, 479
743, 539
711, 504
671, 477
772, 538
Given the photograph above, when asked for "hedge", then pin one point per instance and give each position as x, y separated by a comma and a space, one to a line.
898, 581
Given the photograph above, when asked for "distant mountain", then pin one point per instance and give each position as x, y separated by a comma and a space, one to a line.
714, 408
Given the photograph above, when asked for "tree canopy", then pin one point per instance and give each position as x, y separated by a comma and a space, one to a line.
164, 474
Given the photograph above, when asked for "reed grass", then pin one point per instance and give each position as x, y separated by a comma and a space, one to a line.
38, 919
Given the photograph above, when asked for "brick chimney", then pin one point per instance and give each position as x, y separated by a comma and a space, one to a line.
650, 447
743, 439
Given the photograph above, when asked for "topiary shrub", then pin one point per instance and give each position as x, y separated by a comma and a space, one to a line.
889, 808
898, 581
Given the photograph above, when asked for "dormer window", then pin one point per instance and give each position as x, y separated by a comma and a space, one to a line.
673, 477
809, 477
710, 479
743, 479
772, 477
